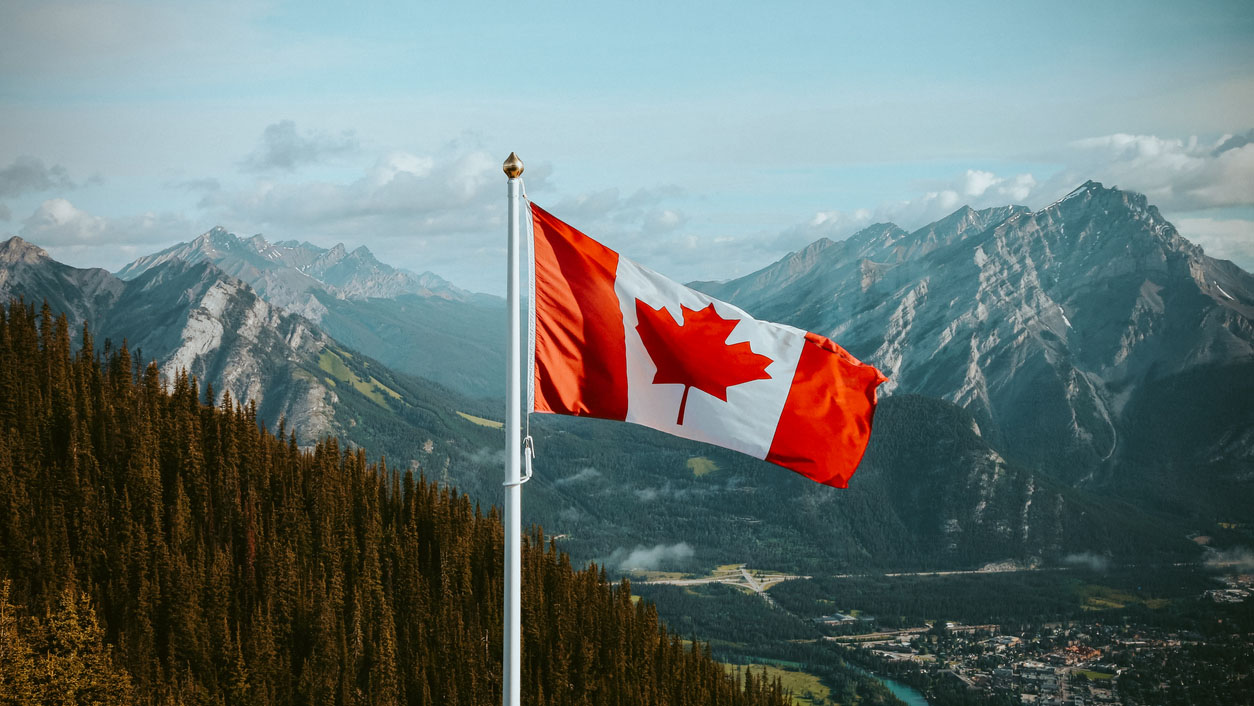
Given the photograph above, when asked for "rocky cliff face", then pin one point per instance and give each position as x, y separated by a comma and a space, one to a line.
190, 316
193, 317
1043, 325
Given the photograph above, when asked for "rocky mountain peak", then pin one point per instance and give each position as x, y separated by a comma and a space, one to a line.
958, 221
215, 238
290, 273
1092, 194
17, 251
1122, 222
964, 214
878, 233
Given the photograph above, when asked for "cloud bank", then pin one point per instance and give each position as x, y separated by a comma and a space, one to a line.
442, 210
1237, 558
71, 234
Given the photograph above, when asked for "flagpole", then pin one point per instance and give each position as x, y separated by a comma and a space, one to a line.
511, 660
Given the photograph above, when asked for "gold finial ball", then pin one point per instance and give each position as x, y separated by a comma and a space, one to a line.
513, 166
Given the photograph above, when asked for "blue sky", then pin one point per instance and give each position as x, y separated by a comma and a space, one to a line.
704, 140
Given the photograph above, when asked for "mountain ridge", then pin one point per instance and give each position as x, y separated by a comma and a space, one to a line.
255, 260
1044, 324
194, 318
416, 324
1005, 398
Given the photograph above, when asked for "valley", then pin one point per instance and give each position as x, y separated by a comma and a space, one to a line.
1069, 402
959, 637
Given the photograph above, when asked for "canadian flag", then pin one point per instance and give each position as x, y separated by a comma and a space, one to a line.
615, 340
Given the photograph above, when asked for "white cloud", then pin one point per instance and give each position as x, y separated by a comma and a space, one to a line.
663, 221
487, 457
401, 195
651, 558
974, 187
1176, 175
587, 473
443, 212
79, 238
1222, 239
59, 222
1238, 558
395, 163
834, 225
648, 495
1182, 175
639, 216
1088, 560
667, 491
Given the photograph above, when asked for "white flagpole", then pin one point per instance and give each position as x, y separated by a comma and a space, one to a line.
511, 662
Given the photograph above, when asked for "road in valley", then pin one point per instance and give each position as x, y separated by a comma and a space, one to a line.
757, 581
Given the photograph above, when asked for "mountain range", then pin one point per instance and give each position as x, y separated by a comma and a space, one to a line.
1055, 329
1067, 380
287, 272
415, 323
193, 316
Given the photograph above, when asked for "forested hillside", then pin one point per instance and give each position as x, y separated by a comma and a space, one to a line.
155, 548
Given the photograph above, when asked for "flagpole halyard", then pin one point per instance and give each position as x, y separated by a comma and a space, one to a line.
511, 659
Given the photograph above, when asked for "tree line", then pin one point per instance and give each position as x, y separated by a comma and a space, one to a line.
161, 546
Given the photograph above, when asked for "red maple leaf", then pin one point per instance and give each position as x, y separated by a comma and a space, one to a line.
695, 353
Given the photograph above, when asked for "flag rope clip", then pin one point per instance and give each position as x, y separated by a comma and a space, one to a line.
529, 452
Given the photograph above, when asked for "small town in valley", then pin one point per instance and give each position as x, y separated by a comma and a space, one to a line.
1070, 663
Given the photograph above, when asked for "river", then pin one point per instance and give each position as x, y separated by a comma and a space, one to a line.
908, 694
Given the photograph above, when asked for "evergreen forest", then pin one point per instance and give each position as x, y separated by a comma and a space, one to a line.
161, 546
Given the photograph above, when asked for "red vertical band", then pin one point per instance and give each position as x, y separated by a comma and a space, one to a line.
826, 422
581, 358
